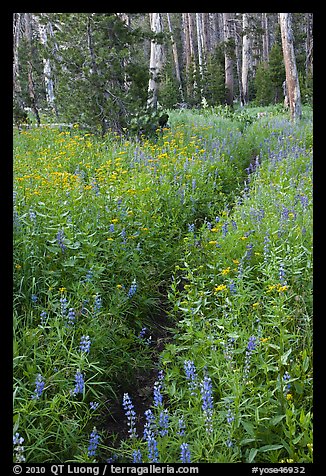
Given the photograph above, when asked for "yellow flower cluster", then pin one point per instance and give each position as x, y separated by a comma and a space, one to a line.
278, 287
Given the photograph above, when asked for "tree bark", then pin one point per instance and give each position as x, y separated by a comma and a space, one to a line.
175, 57
31, 86
309, 44
292, 81
245, 57
47, 70
264, 24
228, 58
199, 44
17, 21
156, 61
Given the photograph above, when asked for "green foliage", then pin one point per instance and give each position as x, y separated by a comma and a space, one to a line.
208, 227
100, 78
264, 92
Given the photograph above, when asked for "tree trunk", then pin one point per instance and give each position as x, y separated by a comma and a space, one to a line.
47, 70
292, 81
156, 61
31, 86
16, 37
238, 62
200, 47
192, 52
264, 24
245, 57
309, 44
175, 57
228, 58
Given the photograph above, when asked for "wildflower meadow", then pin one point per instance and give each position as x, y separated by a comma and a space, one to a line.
163, 291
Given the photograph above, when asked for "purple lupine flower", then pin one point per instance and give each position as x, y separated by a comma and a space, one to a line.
89, 276
191, 228
85, 344
225, 228
251, 346
282, 274
137, 456
142, 333
266, 246
130, 414
80, 384
158, 398
163, 422
93, 442
39, 387
18, 448
97, 304
185, 453
229, 416
191, 375
63, 302
32, 215
94, 405
152, 450
182, 426
286, 378
43, 318
149, 427
132, 289
60, 237
206, 391
71, 316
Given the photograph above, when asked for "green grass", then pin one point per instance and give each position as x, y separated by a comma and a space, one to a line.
111, 236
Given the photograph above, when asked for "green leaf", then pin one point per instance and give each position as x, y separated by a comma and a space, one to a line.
285, 356
266, 448
252, 454
277, 419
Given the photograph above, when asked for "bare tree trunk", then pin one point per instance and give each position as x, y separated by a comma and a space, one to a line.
206, 34
31, 86
192, 50
17, 21
156, 61
245, 57
264, 24
125, 17
292, 81
175, 57
185, 21
238, 62
200, 48
309, 44
47, 71
228, 58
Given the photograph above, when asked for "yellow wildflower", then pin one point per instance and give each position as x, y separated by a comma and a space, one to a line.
289, 396
62, 290
264, 339
255, 305
226, 270
280, 288
220, 287
17, 266
213, 242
